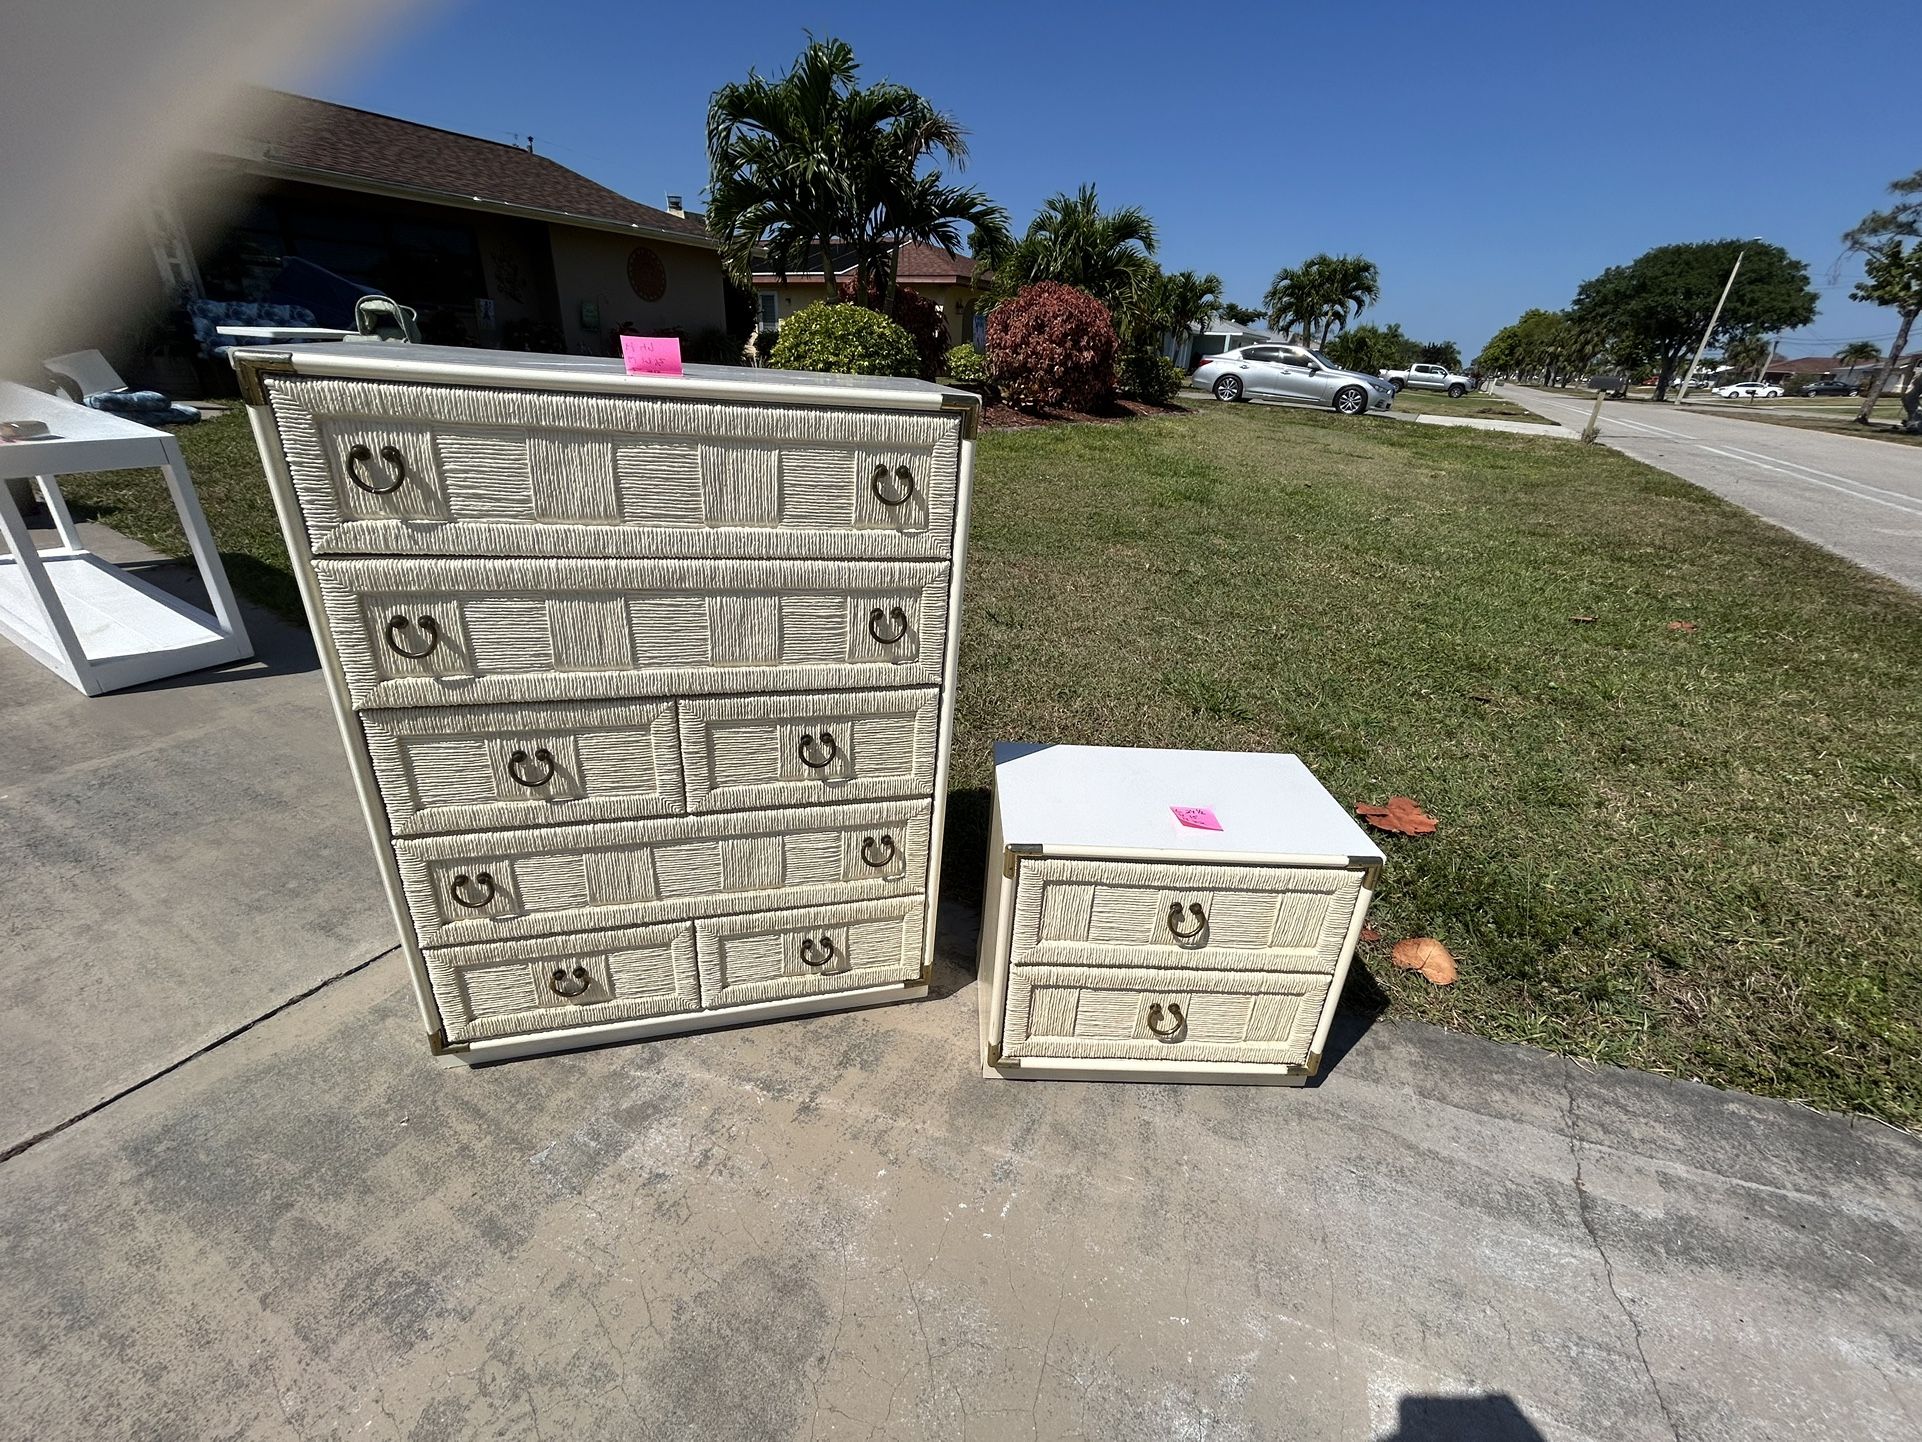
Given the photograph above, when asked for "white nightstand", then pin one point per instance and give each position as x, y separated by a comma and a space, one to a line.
1119, 944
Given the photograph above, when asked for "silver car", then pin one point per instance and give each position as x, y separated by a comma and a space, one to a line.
1292, 373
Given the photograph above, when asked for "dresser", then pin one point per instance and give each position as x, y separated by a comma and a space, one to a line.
1166, 915
646, 682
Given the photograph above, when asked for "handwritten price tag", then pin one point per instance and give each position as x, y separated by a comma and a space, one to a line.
1200, 818
651, 355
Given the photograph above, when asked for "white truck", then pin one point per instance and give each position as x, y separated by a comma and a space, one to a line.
1429, 378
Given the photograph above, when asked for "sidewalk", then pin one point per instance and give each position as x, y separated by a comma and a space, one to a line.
830, 1227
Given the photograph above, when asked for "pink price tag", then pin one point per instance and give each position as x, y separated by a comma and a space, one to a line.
1201, 818
651, 355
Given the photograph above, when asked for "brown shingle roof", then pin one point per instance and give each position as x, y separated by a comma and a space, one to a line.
318, 135
919, 264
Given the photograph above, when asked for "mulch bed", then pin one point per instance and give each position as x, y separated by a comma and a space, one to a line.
998, 417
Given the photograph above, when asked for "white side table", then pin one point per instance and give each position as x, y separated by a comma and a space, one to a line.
78, 615
1119, 944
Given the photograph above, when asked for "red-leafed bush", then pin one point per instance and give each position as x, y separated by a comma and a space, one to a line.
919, 317
1052, 345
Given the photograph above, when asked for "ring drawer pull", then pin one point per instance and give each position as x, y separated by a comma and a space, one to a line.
480, 881
1174, 921
808, 949
360, 456
519, 759
824, 748
569, 983
893, 613
887, 851
426, 625
878, 484
1177, 1021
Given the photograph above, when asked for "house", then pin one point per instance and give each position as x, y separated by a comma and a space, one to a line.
1827, 367
309, 203
950, 281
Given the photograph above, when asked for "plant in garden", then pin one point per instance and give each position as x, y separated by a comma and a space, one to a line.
1052, 345
1324, 291
1073, 241
1147, 375
850, 339
1373, 349
918, 316
967, 368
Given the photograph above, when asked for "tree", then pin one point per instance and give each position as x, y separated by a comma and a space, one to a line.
1324, 291
799, 164
1750, 353
1441, 353
1373, 349
1859, 353
1109, 254
1890, 243
1237, 314
1659, 305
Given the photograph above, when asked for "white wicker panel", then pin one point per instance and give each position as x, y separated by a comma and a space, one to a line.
747, 752
496, 472
500, 989
1265, 1018
546, 630
624, 873
1108, 913
760, 957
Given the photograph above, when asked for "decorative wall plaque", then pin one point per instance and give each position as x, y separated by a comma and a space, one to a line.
646, 273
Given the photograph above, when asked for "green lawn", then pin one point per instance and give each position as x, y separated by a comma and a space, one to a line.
1694, 852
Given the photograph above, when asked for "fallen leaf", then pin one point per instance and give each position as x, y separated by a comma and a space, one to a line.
1368, 933
1401, 816
1427, 956
1681, 625
1583, 620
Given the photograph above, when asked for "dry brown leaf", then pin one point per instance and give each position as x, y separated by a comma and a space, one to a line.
1681, 625
1401, 816
1427, 956
1583, 620
1368, 933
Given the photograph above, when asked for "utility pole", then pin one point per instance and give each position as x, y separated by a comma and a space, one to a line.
1763, 369
1682, 394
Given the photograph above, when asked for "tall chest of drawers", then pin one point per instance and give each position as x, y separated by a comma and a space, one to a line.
646, 682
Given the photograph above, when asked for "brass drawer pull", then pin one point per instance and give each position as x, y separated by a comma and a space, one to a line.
1177, 1021
481, 881
1174, 921
519, 759
569, 983
880, 479
824, 748
360, 456
887, 851
426, 625
893, 613
808, 947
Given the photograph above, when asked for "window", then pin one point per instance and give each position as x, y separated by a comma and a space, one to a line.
1296, 358
1262, 353
770, 311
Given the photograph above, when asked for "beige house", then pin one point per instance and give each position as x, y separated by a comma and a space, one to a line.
947, 280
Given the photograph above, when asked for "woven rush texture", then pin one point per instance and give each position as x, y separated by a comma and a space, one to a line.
754, 751
754, 958
1076, 1011
501, 989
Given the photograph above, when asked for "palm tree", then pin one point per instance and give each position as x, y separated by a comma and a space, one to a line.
1322, 294
1890, 243
1353, 284
1181, 299
1072, 240
1295, 300
1859, 353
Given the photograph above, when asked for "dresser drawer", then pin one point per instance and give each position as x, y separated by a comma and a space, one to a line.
504, 988
1162, 1015
397, 467
1177, 915
482, 768
442, 632
751, 751
777, 955
625, 873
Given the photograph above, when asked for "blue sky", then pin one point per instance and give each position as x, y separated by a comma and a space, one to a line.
1487, 159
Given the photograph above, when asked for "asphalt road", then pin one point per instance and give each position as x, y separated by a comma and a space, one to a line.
1859, 498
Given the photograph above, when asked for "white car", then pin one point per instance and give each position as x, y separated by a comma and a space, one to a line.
1292, 373
1750, 390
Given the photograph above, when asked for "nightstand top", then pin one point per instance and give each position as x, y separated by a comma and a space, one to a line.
1117, 799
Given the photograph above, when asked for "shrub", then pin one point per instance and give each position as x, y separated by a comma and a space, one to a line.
967, 368
1148, 375
919, 317
850, 339
1052, 345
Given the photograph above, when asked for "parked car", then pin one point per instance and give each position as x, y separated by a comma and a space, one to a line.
1750, 390
1830, 388
1430, 378
1292, 373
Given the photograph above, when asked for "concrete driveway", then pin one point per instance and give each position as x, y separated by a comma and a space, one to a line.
1858, 497
243, 1203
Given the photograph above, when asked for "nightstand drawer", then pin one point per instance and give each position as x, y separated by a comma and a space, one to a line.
504, 988
468, 472
1180, 915
758, 751
780, 955
483, 768
1176, 1017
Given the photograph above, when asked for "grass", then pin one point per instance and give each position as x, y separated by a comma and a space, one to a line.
1694, 852
1479, 404
1837, 420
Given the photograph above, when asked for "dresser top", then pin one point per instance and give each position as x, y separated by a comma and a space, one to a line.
454, 365
1098, 799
